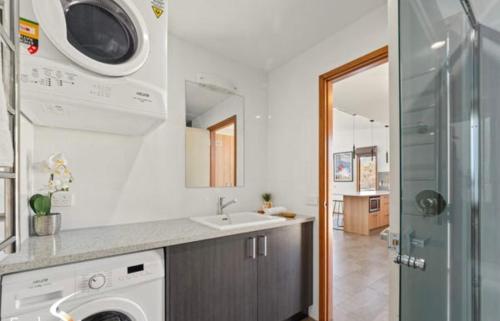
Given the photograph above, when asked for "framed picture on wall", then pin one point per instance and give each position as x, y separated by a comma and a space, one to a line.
342, 167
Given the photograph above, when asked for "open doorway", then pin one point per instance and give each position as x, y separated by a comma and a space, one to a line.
360, 195
354, 186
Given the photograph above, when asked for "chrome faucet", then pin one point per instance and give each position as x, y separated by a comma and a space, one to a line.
221, 205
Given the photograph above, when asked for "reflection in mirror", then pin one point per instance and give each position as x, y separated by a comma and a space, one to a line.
214, 136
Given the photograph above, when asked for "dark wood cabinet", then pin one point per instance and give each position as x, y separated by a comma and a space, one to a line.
214, 280
190, 282
285, 272
235, 279
262, 276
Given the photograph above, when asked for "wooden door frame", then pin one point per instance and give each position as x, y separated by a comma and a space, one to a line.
365, 62
233, 120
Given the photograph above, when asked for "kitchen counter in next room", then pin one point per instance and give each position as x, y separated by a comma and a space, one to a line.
367, 193
92, 243
360, 217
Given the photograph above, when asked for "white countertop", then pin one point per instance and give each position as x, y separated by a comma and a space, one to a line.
93, 243
367, 193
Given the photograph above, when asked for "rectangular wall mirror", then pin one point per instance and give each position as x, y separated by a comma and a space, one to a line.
214, 136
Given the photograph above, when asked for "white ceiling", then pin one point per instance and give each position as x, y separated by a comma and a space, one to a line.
263, 33
365, 94
200, 99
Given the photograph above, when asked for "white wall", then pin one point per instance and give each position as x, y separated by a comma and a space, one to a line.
134, 179
343, 139
294, 108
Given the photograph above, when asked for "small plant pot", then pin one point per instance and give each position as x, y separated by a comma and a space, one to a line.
267, 205
47, 224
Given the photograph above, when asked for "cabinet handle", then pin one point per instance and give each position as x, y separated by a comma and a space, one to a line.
251, 248
263, 245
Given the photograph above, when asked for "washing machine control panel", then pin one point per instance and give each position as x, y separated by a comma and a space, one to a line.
97, 281
126, 275
135, 272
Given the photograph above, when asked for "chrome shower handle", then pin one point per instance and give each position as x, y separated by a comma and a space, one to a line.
410, 261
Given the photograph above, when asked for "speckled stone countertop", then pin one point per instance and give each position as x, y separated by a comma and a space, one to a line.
93, 243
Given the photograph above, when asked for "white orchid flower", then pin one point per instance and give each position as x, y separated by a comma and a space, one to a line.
60, 175
55, 161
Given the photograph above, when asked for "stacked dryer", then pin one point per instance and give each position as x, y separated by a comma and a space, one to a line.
94, 65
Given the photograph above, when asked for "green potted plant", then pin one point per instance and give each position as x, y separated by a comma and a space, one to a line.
267, 200
44, 222
60, 178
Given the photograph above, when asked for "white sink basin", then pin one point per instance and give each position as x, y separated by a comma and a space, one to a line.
236, 220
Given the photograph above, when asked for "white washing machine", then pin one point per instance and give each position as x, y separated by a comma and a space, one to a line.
123, 288
98, 65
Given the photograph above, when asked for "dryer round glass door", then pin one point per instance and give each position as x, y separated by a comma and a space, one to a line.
102, 31
107, 37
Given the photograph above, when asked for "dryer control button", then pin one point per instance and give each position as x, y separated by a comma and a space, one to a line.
97, 281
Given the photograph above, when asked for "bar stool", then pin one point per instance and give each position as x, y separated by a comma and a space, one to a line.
338, 210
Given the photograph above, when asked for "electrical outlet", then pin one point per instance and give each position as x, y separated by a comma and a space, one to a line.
62, 199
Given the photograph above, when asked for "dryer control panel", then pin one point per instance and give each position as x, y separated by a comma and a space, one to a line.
59, 95
43, 76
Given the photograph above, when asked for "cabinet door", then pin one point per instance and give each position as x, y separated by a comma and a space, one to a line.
285, 272
384, 210
213, 280
373, 221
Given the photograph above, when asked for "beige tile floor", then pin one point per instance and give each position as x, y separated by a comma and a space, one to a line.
361, 278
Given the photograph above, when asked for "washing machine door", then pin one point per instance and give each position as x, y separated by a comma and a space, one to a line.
108, 316
107, 37
109, 309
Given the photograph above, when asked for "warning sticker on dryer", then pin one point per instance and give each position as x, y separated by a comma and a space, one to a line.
29, 33
158, 7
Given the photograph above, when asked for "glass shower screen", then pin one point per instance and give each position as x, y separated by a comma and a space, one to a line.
438, 142
489, 72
